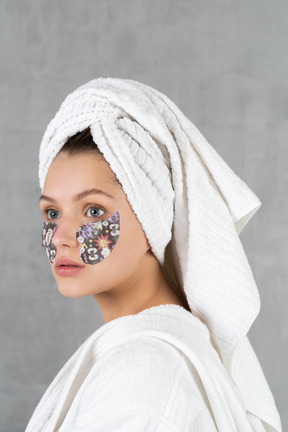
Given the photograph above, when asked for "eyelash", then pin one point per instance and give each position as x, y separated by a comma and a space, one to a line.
46, 211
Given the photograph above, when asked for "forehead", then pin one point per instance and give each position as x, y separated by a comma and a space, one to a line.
79, 169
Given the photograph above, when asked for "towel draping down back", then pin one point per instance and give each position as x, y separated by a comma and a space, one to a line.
192, 208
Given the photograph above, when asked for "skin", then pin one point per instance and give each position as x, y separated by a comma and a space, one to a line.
130, 279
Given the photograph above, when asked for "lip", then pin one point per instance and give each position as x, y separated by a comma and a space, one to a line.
67, 261
63, 267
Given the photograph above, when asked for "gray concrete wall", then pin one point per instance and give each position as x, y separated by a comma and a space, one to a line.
224, 62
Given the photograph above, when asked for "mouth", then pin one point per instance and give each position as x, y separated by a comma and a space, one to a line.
67, 263
68, 270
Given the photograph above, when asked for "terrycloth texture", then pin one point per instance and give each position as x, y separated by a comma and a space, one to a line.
181, 190
174, 381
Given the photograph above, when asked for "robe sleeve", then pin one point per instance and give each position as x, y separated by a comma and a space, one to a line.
144, 385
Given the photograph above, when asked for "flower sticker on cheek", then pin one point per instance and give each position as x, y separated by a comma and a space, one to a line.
48, 231
98, 239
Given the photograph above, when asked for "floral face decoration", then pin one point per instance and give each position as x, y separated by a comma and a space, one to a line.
98, 239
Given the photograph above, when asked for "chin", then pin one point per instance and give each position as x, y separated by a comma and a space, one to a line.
70, 289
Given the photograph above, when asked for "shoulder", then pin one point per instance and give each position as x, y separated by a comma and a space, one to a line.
146, 376
134, 369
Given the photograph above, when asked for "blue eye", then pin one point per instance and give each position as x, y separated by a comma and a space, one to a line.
95, 213
52, 211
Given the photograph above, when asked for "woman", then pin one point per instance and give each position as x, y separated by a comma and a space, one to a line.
132, 269
143, 214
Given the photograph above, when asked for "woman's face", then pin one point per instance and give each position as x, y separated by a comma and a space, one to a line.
67, 177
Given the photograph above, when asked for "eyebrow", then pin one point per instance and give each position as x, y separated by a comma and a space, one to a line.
80, 195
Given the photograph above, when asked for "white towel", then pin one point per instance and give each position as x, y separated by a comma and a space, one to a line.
191, 205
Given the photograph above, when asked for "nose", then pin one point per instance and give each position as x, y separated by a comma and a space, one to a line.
65, 236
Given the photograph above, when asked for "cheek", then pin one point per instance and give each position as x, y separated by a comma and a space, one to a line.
48, 231
98, 239
127, 254
132, 242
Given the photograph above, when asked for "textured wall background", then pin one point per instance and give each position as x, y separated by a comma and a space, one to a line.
224, 62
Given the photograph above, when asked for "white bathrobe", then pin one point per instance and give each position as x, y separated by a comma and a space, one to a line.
154, 371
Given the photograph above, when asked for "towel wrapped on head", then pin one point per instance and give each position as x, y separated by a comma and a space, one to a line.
191, 206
